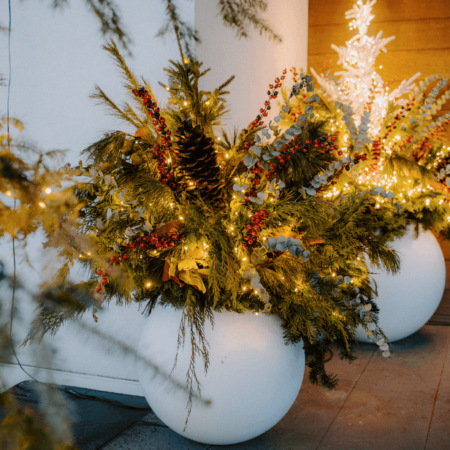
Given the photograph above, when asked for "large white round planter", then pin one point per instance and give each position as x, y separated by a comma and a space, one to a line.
252, 381
408, 299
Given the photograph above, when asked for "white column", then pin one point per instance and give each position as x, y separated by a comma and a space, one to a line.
255, 61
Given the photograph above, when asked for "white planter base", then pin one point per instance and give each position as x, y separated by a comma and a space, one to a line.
408, 299
252, 381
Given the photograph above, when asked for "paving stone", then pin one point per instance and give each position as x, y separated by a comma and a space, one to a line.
315, 408
439, 433
95, 422
146, 437
263, 442
379, 404
442, 314
152, 419
390, 407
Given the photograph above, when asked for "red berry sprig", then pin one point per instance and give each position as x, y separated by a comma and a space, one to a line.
255, 183
148, 241
400, 114
251, 237
159, 151
272, 93
326, 143
295, 74
102, 280
425, 146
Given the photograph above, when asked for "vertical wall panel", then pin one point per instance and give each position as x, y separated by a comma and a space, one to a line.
256, 61
421, 30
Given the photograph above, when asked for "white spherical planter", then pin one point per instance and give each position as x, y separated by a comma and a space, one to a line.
408, 299
252, 381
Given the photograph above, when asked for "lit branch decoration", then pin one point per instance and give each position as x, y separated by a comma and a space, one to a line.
174, 215
399, 130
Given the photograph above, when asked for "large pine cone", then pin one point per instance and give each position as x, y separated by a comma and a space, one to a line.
197, 160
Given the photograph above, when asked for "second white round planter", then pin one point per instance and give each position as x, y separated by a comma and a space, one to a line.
252, 381
408, 299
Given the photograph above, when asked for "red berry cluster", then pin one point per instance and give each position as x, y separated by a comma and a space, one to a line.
295, 74
323, 143
272, 93
294, 115
258, 220
159, 151
102, 274
167, 175
288, 150
148, 241
255, 182
145, 242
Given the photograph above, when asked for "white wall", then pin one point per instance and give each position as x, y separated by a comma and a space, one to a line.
255, 62
57, 59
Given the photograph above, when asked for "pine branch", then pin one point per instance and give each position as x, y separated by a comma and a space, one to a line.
131, 82
121, 64
115, 111
243, 14
185, 34
110, 148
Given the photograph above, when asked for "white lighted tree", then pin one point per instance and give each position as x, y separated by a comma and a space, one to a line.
358, 86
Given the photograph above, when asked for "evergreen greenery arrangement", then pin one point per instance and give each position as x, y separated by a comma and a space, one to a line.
282, 217
178, 214
401, 131
278, 218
